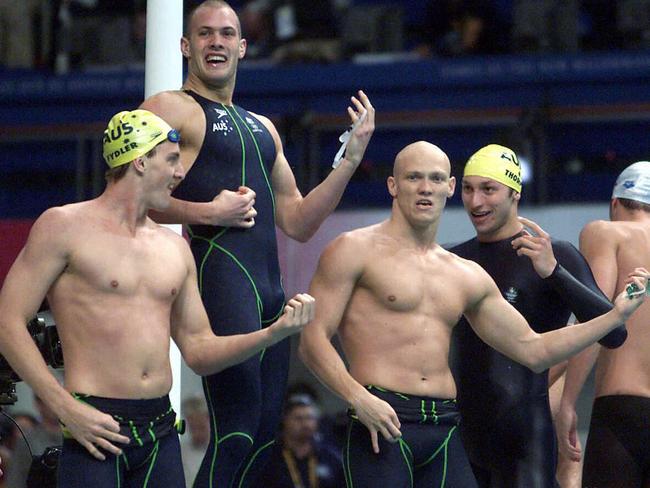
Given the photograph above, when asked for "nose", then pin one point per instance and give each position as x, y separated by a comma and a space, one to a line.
472, 199
425, 187
179, 174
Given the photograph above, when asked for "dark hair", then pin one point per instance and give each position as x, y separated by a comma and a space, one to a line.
634, 204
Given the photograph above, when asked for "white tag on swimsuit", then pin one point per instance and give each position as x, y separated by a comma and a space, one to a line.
345, 138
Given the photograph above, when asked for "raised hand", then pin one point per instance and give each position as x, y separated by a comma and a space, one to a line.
360, 136
234, 208
537, 247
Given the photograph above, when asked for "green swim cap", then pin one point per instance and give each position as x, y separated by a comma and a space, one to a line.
498, 163
129, 135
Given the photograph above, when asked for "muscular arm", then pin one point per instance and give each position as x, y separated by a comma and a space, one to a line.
231, 208
503, 328
339, 268
38, 265
300, 217
206, 353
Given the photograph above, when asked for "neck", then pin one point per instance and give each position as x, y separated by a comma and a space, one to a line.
299, 448
220, 94
422, 236
125, 203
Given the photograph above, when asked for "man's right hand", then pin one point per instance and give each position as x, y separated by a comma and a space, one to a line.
234, 208
566, 428
93, 429
298, 312
378, 417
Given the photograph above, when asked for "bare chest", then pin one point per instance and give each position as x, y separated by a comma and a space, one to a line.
414, 284
146, 269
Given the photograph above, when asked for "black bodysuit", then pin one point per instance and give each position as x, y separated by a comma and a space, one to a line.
240, 283
506, 426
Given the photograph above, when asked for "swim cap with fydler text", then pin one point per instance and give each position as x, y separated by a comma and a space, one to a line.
634, 183
498, 163
130, 134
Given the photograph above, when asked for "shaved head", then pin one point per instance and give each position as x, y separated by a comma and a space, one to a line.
187, 27
420, 150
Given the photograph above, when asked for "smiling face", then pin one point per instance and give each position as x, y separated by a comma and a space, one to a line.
421, 183
492, 208
213, 45
163, 172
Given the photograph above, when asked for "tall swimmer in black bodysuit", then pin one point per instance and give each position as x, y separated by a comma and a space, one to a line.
238, 156
507, 427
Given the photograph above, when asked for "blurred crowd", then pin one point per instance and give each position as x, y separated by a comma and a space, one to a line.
82, 34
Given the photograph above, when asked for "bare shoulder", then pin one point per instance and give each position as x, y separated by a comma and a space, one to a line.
174, 106
168, 235
352, 248
62, 220
599, 232
598, 227
468, 275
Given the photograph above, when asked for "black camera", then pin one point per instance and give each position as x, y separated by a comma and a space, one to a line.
47, 340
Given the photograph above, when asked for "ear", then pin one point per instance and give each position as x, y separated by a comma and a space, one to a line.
452, 187
139, 164
392, 186
243, 44
516, 196
185, 47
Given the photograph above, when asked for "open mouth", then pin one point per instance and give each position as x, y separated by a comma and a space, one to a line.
215, 60
424, 203
479, 216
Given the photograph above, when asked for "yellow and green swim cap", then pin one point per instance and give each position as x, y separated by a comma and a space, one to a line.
498, 163
130, 134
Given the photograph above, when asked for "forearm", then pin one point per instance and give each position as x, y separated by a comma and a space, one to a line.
185, 212
555, 346
578, 370
210, 354
585, 303
326, 364
310, 212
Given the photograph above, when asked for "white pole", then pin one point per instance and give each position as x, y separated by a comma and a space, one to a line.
164, 71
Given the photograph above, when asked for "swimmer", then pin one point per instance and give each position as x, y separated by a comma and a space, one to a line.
616, 453
233, 233
120, 287
546, 281
394, 296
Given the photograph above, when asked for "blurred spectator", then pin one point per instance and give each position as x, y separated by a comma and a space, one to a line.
597, 17
17, 36
546, 25
298, 459
460, 27
195, 440
44, 434
293, 30
256, 29
99, 33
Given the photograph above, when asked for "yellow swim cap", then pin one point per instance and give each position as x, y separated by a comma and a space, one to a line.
129, 135
498, 163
